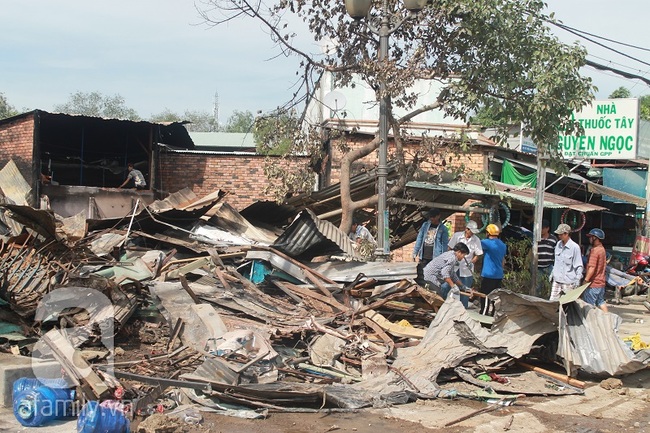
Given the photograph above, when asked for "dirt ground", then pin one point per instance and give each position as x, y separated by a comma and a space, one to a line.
599, 410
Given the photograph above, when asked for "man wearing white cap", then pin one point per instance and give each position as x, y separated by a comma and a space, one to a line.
466, 266
568, 266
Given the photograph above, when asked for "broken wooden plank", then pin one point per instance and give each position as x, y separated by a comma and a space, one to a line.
393, 328
188, 289
310, 293
196, 264
431, 298
390, 344
383, 301
558, 376
91, 385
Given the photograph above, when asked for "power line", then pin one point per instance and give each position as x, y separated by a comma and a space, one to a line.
568, 29
639, 71
631, 80
564, 26
617, 71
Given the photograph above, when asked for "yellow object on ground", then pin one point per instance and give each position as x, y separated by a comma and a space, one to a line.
637, 343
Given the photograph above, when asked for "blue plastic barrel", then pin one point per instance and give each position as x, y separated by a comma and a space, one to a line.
39, 406
98, 419
26, 383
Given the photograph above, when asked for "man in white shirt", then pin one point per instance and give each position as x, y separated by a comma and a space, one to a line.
134, 179
465, 269
568, 266
359, 233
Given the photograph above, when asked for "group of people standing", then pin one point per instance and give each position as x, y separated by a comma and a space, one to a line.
447, 265
568, 268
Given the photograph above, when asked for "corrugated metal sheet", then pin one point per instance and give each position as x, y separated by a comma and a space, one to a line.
475, 190
619, 195
588, 341
13, 184
308, 236
345, 272
175, 200
226, 217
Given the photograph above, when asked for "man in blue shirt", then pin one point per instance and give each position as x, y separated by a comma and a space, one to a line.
440, 271
494, 253
432, 241
568, 266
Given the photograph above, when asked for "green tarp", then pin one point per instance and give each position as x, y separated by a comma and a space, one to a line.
511, 176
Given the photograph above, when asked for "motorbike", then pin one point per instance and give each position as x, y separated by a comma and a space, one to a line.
634, 280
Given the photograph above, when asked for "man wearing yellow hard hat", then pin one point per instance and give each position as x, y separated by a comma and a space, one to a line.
494, 253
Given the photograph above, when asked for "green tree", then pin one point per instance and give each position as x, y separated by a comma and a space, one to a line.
200, 121
240, 121
166, 115
644, 101
496, 53
644, 107
274, 133
621, 92
6, 109
98, 105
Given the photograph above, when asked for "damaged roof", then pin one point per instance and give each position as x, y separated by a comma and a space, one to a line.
474, 190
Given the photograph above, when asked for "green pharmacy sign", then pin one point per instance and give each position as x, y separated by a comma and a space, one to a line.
610, 131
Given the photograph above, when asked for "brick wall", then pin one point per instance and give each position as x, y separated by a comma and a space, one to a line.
243, 176
473, 160
240, 175
17, 143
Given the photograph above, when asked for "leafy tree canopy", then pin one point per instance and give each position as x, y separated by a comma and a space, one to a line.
621, 92
98, 105
274, 133
6, 109
240, 121
644, 101
200, 121
487, 53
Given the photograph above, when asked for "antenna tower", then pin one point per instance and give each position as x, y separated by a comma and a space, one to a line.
215, 111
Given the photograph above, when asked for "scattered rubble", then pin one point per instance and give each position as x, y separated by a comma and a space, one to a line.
170, 310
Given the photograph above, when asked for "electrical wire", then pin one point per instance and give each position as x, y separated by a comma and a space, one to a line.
568, 29
564, 26
607, 61
617, 71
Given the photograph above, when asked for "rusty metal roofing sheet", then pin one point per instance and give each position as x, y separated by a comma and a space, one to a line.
177, 199
308, 236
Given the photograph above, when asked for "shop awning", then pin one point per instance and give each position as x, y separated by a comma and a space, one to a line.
475, 190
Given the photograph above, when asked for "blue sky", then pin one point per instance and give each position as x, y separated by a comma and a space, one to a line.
157, 54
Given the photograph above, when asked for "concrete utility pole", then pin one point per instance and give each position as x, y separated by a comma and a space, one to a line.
542, 157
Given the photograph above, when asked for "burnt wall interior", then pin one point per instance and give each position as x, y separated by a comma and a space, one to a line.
88, 151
